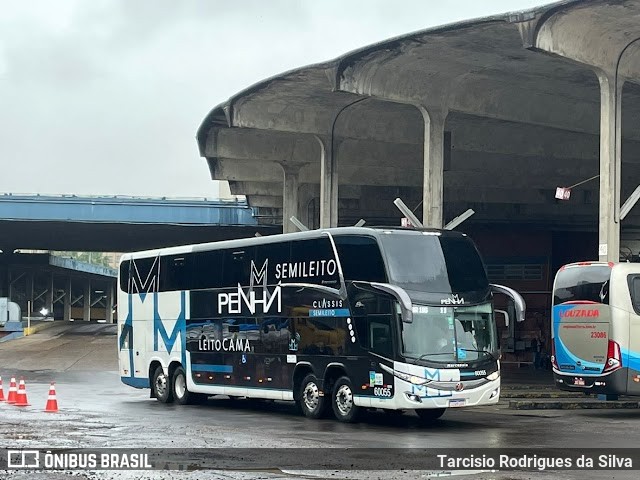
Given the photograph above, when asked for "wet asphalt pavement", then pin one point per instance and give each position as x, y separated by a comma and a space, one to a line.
98, 411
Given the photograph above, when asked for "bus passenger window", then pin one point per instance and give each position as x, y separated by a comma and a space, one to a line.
380, 336
320, 336
360, 258
361, 332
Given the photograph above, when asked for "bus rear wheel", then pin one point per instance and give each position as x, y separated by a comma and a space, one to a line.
181, 394
162, 386
342, 401
311, 401
430, 414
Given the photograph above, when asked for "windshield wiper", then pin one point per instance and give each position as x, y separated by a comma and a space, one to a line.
454, 354
434, 354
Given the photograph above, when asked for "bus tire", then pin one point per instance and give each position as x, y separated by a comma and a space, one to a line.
342, 401
429, 415
181, 393
311, 402
162, 386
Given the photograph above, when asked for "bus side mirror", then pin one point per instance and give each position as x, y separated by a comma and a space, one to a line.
519, 302
400, 295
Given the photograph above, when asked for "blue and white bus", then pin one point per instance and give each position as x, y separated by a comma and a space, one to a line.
596, 328
336, 320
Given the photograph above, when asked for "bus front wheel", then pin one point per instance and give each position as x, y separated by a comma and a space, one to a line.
342, 401
180, 392
311, 401
430, 414
162, 386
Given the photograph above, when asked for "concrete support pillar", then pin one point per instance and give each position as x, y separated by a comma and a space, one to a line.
328, 185
290, 186
109, 303
9, 284
4, 280
67, 300
610, 165
48, 302
306, 193
433, 182
30, 295
86, 301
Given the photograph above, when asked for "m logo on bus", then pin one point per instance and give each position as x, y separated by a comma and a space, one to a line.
234, 302
453, 300
143, 282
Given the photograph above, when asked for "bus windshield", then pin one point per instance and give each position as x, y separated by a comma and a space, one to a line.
450, 334
584, 283
434, 263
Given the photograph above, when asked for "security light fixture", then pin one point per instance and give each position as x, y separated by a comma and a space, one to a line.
564, 193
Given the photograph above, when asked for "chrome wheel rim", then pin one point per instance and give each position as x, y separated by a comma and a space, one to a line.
180, 386
344, 400
311, 396
161, 385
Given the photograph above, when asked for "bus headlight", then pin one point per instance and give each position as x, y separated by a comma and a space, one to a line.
493, 376
414, 379
418, 380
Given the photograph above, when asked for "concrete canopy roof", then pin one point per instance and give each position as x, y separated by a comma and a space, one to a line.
522, 95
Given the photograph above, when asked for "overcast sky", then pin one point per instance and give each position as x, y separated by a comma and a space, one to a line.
105, 96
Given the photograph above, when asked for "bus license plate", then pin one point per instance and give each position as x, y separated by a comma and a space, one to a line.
457, 402
578, 381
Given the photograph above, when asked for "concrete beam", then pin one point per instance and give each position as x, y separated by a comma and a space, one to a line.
268, 145
516, 172
255, 188
274, 189
493, 141
265, 201
594, 34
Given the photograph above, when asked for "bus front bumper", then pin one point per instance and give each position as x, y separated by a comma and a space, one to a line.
411, 397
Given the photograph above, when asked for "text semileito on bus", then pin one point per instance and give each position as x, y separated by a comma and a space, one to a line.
339, 319
596, 328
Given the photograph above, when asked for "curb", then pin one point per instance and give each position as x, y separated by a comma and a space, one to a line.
582, 405
543, 394
11, 336
39, 327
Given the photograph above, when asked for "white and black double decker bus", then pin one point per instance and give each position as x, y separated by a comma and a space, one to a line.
338, 319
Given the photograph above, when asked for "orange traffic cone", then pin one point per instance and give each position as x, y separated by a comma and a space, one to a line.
52, 402
11, 398
21, 397
2, 399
